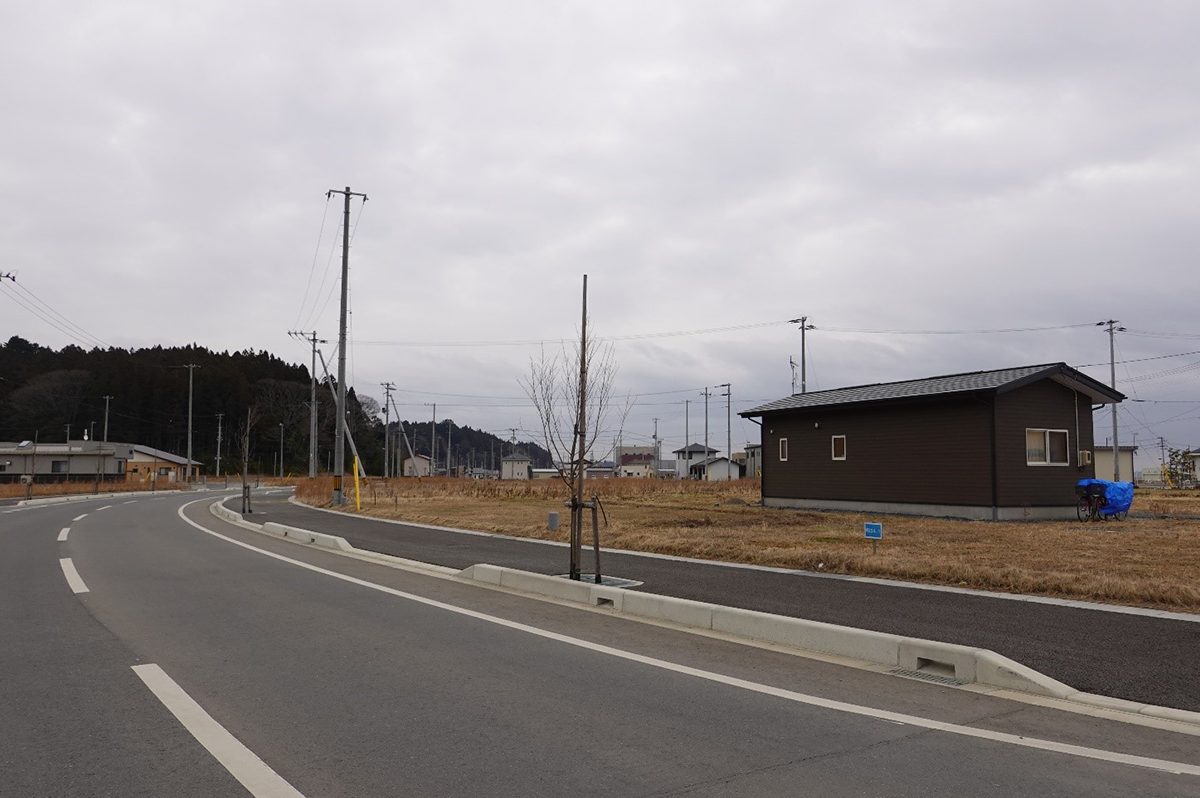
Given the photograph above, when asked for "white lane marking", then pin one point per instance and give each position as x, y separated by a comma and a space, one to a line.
62, 535
133, 501
1179, 768
73, 579
1077, 604
242, 763
80, 517
105, 507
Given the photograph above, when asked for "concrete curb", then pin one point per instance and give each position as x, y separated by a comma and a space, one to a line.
89, 496
307, 537
926, 657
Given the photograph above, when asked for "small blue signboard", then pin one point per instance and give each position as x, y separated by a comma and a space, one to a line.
873, 531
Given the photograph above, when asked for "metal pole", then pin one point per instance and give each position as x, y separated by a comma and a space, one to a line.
803, 354
706, 395
687, 442
581, 431
1112, 363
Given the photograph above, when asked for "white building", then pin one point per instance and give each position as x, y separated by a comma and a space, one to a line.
1102, 456
688, 456
420, 469
516, 466
716, 469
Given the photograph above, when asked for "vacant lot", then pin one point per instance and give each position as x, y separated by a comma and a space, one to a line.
12, 490
1153, 562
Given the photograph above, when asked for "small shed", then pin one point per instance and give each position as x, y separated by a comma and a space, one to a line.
516, 466
1002, 444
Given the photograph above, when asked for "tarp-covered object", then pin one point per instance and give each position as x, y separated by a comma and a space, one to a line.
1118, 496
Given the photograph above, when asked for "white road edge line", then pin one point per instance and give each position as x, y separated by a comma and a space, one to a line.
242, 763
79, 517
74, 581
1178, 768
62, 535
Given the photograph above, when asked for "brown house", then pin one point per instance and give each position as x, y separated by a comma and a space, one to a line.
1005, 444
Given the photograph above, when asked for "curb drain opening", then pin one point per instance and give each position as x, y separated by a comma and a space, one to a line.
927, 677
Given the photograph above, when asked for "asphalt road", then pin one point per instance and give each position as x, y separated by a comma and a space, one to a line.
1152, 660
343, 677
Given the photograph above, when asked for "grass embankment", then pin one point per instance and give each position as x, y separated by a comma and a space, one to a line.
1152, 562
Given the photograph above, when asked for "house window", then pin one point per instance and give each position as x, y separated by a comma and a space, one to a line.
838, 445
783, 450
1047, 447
164, 472
58, 466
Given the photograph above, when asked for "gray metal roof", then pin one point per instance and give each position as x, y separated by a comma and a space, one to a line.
997, 380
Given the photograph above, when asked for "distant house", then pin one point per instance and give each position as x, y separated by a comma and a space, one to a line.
688, 455
1103, 460
516, 466
716, 469
1003, 444
418, 467
635, 461
600, 470
86, 461
753, 460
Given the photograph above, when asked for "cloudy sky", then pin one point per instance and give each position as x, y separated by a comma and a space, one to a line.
884, 168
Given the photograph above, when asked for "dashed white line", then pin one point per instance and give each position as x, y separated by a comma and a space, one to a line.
1179, 768
132, 501
74, 581
242, 763
105, 507
62, 535
80, 517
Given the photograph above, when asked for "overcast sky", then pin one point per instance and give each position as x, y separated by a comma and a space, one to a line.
874, 166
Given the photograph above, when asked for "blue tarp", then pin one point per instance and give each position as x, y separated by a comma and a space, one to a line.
1118, 496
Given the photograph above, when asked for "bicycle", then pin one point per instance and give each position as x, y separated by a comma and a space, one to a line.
1091, 499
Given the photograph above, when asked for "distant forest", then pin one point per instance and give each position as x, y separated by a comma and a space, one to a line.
43, 392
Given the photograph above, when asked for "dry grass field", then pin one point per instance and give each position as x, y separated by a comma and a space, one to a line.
1151, 562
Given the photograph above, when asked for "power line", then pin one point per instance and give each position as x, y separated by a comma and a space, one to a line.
48, 314
313, 268
1142, 359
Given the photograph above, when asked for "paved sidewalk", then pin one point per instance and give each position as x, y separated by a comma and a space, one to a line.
1152, 660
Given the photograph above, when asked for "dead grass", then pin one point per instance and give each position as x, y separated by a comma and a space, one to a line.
1153, 562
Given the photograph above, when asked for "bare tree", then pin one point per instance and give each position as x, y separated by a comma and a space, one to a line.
572, 393
243, 435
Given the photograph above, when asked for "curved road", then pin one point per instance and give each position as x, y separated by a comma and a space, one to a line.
201, 659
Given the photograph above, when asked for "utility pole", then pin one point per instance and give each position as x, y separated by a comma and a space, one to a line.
655, 474
792, 363
706, 394
432, 442
219, 417
804, 327
339, 446
388, 387
312, 414
281, 450
449, 443
191, 367
728, 435
687, 443
106, 399
1113, 329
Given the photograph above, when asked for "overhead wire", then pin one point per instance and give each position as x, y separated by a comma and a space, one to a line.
30, 296
34, 310
312, 269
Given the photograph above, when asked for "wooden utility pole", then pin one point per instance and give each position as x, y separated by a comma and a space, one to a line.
339, 446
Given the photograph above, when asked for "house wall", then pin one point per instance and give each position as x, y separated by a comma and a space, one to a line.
515, 469
1104, 464
420, 469
922, 452
1049, 405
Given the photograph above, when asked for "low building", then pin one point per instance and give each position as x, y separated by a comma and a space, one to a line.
416, 467
716, 469
688, 455
1103, 460
1002, 444
516, 466
754, 460
601, 470
87, 461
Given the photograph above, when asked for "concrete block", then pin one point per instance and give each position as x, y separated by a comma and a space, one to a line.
488, 574
1108, 702
999, 671
553, 586
666, 608
939, 659
876, 647
613, 597
1170, 713
308, 536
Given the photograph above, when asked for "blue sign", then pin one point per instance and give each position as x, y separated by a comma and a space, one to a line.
873, 531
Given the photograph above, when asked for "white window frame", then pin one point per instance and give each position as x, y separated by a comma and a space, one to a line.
783, 450
1046, 443
833, 448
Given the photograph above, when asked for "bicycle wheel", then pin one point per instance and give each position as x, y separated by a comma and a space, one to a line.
1083, 508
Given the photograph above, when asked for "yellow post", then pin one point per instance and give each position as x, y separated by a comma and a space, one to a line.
357, 492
